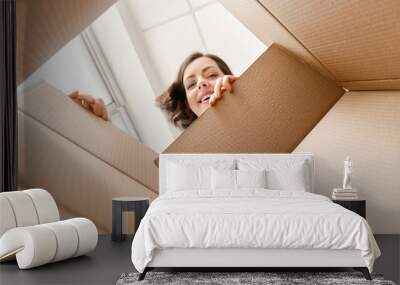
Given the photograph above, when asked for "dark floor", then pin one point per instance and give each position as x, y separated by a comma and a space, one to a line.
110, 260
102, 266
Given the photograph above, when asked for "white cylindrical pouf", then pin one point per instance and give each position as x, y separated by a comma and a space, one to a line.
45, 205
87, 234
34, 245
7, 218
30, 230
67, 239
23, 208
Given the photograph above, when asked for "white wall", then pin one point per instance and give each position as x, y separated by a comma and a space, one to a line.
224, 35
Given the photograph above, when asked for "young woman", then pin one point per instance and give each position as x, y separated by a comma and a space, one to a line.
201, 81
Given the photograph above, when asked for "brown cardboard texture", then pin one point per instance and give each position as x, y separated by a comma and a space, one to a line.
80, 182
356, 42
80, 159
366, 126
275, 104
53, 109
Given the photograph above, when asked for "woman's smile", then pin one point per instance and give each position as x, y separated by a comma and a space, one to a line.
205, 96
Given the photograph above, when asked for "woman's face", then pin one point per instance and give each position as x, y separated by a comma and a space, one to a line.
199, 78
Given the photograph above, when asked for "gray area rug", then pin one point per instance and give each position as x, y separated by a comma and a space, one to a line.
273, 278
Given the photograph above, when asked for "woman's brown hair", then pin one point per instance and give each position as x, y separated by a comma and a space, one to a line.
174, 101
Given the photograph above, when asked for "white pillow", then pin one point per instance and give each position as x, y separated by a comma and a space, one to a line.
188, 178
288, 179
187, 174
223, 179
236, 179
251, 178
287, 174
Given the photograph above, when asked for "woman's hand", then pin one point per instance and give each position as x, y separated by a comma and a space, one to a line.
223, 83
95, 105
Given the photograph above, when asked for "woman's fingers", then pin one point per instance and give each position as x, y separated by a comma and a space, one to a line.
97, 108
232, 78
100, 109
219, 88
87, 98
95, 105
222, 84
74, 95
83, 100
217, 91
105, 117
86, 101
228, 81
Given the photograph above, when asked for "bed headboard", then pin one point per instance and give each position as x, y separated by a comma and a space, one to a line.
166, 158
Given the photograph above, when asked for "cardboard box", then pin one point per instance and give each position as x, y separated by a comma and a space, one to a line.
353, 42
356, 44
330, 60
275, 104
80, 159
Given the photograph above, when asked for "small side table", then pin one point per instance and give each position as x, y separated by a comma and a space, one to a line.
139, 205
357, 206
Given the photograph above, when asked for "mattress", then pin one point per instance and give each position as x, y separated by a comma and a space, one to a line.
250, 219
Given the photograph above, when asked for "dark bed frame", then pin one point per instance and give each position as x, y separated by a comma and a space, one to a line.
364, 270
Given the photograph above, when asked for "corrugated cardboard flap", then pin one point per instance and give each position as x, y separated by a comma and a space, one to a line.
356, 42
55, 110
275, 104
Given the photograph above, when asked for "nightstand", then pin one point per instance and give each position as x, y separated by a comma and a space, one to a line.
357, 206
138, 205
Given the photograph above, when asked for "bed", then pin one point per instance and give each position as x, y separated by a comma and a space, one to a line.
245, 211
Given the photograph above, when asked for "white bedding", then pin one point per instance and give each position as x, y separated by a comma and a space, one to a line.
250, 218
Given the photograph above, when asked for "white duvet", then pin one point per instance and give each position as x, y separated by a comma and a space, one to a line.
251, 218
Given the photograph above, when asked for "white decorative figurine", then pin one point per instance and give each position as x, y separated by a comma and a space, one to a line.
347, 173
